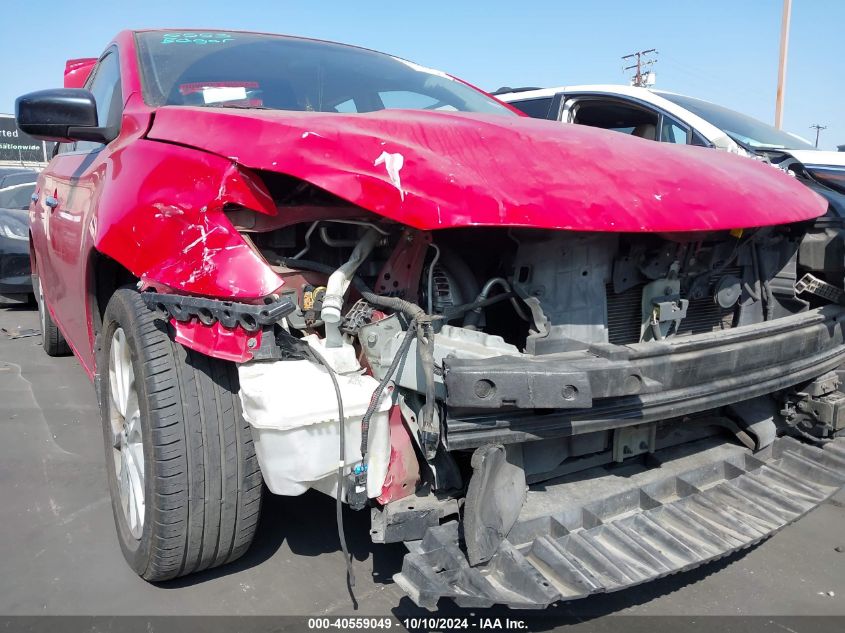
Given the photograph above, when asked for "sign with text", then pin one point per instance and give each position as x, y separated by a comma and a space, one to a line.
15, 146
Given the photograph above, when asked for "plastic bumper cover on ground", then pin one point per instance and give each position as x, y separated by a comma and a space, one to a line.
601, 531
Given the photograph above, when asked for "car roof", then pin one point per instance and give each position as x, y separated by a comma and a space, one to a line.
537, 93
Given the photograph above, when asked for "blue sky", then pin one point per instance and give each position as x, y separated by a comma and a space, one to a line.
720, 50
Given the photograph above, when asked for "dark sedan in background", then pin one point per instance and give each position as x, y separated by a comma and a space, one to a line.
16, 189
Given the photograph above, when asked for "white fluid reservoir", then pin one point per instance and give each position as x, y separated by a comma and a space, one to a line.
292, 409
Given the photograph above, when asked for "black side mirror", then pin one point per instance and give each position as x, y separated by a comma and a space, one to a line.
62, 115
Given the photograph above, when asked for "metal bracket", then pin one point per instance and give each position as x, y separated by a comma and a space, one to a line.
634, 440
827, 410
815, 286
670, 309
229, 313
408, 519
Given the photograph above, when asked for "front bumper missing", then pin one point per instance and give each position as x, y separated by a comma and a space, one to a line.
612, 529
612, 386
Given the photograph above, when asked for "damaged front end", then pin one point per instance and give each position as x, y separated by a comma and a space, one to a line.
538, 414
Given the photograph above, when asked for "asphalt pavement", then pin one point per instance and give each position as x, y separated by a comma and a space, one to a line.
59, 554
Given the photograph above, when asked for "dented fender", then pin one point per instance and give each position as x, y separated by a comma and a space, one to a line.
162, 219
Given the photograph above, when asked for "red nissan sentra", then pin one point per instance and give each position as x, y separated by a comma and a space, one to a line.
551, 359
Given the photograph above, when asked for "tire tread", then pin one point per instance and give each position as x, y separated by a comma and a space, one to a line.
204, 507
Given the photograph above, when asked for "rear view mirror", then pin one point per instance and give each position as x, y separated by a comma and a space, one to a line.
60, 114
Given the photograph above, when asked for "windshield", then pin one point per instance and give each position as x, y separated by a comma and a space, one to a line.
248, 70
16, 196
744, 129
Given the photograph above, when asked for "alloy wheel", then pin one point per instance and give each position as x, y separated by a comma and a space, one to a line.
128, 447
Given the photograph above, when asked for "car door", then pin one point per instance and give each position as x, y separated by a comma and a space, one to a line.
68, 195
628, 115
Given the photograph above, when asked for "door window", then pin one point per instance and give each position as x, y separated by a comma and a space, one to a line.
536, 108
104, 84
616, 115
671, 131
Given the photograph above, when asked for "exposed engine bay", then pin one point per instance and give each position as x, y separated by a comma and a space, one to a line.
438, 378
551, 360
463, 327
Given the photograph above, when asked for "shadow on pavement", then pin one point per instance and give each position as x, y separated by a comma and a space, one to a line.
307, 523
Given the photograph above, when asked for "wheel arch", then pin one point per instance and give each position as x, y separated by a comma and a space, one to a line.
104, 276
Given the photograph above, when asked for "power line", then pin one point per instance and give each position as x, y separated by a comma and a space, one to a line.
818, 128
642, 77
708, 78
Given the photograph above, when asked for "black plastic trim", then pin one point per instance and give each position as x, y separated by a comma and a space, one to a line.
229, 313
644, 382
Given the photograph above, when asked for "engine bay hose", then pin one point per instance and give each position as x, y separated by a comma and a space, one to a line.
421, 326
340, 278
474, 316
362, 287
319, 267
456, 311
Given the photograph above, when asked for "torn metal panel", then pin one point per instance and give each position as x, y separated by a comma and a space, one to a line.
403, 469
167, 233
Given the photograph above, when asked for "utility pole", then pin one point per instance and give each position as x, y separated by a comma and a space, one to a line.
818, 129
643, 63
784, 45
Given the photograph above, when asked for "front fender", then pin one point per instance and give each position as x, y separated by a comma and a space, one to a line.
161, 217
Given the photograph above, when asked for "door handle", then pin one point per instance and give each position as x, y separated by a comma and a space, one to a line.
34, 197
51, 202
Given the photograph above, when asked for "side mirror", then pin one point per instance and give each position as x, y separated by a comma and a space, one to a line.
62, 115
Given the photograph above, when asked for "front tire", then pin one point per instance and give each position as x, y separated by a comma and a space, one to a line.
182, 471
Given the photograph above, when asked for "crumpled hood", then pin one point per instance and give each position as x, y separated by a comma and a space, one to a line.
435, 170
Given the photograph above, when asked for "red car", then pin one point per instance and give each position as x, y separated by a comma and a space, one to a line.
553, 360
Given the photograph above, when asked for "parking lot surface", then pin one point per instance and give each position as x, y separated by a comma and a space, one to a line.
60, 555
